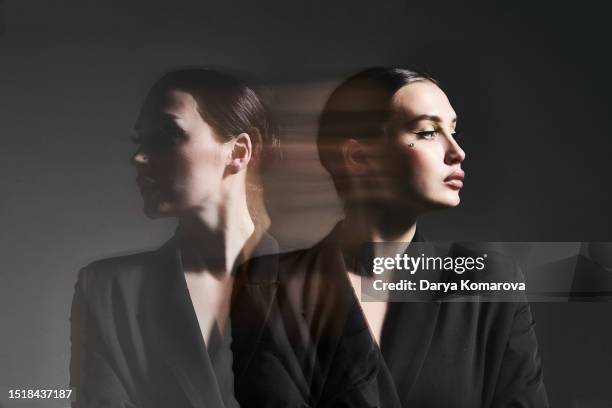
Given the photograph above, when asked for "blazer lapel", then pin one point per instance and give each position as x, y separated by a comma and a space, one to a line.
408, 330
406, 337
251, 307
170, 323
331, 311
493, 265
333, 315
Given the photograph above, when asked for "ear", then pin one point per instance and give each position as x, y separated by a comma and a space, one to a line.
240, 156
354, 156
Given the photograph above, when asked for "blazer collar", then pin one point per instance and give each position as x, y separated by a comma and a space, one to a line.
408, 327
252, 302
170, 323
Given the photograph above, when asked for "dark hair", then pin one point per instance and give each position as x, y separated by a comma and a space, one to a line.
227, 104
359, 108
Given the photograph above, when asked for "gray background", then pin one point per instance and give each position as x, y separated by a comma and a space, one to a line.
530, 81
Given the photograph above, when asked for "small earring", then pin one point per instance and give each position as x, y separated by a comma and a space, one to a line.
411, 145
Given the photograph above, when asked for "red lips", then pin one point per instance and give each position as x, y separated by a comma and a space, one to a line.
455, 179
456, 175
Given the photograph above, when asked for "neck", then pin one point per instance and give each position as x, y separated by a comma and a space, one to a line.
215, 237
367, 224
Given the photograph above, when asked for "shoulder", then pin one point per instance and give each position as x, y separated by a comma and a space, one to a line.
118, 264
273, 267
125, 272
108, 268
287, 266
484, 265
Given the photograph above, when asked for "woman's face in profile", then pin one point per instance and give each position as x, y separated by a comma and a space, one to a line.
424, 159
180, 159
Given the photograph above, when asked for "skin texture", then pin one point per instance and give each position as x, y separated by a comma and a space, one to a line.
408, 169
187, 171
401, 176
423, 116
404, 173
180, 160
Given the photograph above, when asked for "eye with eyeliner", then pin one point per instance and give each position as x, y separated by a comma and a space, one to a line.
431, 134
427, 134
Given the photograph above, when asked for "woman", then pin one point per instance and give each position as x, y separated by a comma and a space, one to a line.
388, 139
151, 329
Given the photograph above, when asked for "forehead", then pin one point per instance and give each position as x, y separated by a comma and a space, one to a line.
422, 98
169, 104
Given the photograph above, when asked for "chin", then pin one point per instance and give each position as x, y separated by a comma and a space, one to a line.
447, 201
451, 201
455, 201
157, 210
151, 213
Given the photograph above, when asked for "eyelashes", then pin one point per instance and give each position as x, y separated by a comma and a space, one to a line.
427, 134
432, 134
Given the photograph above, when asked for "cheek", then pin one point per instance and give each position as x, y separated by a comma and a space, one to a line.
418, 169
190, 172
428, 182
425, 167
203, 167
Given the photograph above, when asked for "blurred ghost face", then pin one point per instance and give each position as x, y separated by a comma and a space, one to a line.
180, 159
420, 165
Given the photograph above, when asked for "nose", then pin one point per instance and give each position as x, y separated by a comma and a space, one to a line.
140, 158
454, 152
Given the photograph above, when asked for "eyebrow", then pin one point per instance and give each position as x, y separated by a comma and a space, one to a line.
164, 116
433, 118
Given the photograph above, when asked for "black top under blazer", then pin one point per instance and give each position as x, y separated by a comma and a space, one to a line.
314, 347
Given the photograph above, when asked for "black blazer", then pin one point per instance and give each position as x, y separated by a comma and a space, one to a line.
315, 348
135, 339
